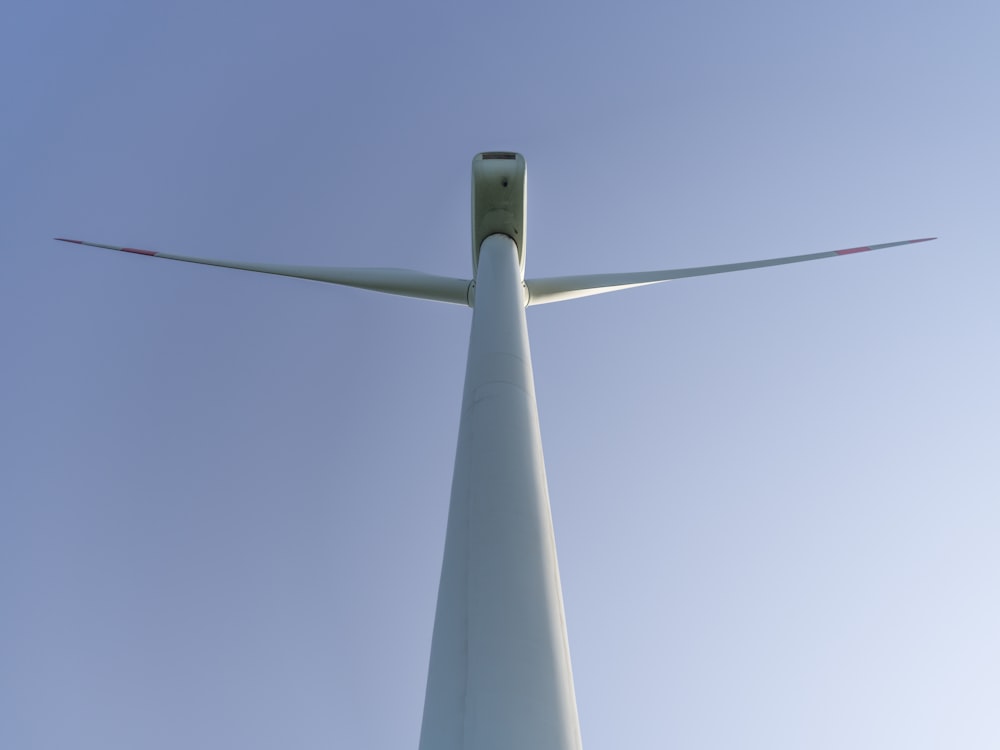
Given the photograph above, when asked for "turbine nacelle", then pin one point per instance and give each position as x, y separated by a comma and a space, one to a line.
499, 201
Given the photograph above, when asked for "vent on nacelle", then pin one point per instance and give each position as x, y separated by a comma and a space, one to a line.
499, 155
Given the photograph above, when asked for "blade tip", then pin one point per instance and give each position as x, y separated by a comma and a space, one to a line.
63, 239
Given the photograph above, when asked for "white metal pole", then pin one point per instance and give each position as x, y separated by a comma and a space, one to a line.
499, 676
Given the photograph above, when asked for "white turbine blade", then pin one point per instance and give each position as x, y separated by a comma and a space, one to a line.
558, 288
389, 280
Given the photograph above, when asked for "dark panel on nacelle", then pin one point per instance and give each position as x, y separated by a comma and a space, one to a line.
499, 200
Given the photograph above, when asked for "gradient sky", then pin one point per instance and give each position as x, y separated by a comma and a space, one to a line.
223, 495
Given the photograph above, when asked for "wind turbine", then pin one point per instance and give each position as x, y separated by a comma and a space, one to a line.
499, 675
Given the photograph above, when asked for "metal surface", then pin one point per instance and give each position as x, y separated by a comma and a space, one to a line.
500, 671
499, 200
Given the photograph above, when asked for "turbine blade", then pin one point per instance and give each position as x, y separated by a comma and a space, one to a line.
559, 288
389, 280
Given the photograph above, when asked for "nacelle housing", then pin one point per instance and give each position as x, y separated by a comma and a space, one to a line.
499, 200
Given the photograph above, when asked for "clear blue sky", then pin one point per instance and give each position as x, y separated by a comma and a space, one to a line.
223, 496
